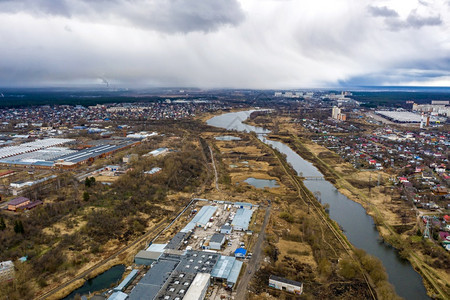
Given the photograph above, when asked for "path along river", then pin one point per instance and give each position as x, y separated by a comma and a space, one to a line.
351, 216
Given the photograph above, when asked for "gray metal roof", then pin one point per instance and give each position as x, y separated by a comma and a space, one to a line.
156, 247
242, 218
217, 238
198, 262
144, 292
234, 273
127, 280
176, 286
223, 267
118, 296
152, 282
202, 217
285, 280
92, 152
176, 241
148, 254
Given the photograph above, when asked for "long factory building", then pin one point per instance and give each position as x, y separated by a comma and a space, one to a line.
177, 274
48, 153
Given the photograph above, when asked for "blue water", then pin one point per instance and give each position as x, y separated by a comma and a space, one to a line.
261, 183
351, 216
227, 138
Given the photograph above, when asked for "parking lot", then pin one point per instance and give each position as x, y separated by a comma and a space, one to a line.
222, 216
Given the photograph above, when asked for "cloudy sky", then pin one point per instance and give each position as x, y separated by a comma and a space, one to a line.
224, 43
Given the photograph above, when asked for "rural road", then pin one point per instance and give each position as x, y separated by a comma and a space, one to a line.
215, 169
253, 264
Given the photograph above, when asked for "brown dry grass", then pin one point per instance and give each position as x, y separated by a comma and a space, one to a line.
376, 196
104, 178
253, 168
77, 222
300, 251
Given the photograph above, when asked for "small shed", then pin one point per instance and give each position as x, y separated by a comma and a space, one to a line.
226, 229
285, 284
240, 252
217, 241
243, 205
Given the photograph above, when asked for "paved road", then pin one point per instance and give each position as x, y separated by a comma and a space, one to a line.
253, 264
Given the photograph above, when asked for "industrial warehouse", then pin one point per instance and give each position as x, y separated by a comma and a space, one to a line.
408, 117
48, 153
185, 267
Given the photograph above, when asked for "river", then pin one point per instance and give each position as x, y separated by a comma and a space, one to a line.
358, 226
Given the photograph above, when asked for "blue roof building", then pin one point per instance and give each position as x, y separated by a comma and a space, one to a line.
240, 252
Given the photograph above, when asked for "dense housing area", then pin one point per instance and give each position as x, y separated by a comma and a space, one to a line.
189, 211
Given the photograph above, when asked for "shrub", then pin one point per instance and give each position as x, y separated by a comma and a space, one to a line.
287, 217
347, 268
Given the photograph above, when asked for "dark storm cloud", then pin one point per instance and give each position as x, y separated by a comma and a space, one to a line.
416, 21
394, 22
409, 71
40, 7
222, 43
382, 11
170, 16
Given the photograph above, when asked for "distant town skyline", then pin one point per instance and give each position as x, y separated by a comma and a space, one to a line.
259, 44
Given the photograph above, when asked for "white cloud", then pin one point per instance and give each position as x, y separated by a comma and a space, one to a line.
257, 44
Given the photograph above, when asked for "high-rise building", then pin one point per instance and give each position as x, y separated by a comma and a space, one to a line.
335, 112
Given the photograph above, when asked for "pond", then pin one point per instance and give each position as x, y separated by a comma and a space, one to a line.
227, 138
261, 183
103, 281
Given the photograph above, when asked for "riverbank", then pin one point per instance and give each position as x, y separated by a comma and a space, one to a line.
376, 205
405, 278
302, 243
